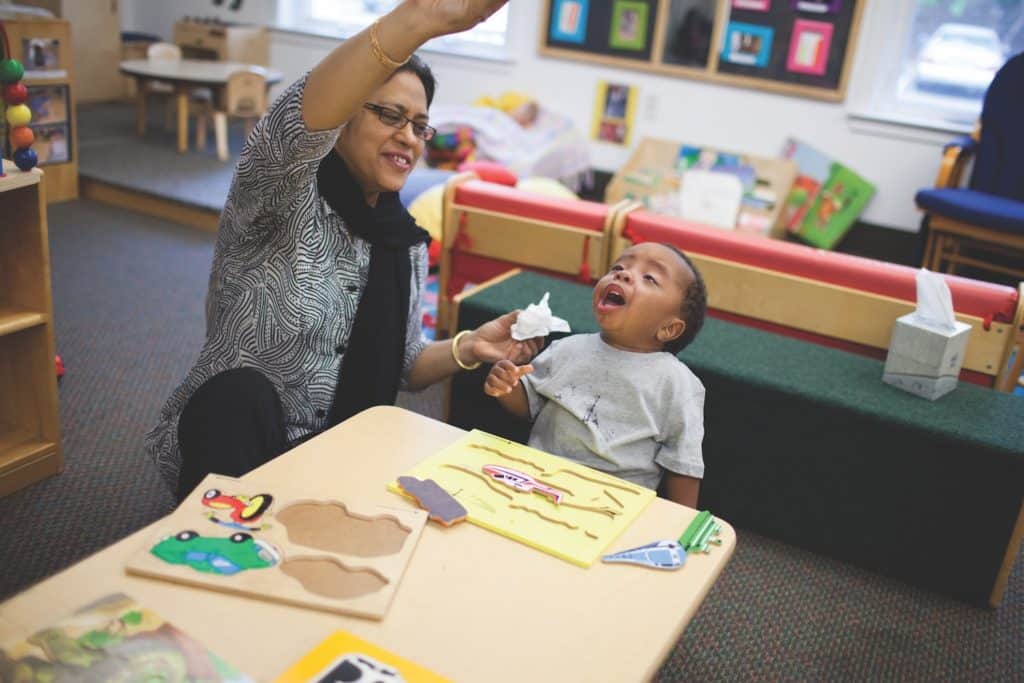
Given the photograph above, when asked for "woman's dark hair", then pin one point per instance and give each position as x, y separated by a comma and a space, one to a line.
695, 307
419, 68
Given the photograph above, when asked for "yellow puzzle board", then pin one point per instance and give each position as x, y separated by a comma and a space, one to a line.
596, 507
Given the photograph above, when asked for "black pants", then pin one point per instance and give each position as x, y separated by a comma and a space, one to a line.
233, 423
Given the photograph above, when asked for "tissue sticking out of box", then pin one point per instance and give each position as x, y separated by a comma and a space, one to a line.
934, 301
928, 346
537, 321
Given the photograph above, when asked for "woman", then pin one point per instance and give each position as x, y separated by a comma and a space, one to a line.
313, 312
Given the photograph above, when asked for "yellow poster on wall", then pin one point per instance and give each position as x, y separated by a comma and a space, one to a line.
568, 510
614, 113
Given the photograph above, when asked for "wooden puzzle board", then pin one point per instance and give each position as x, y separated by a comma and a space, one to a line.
310, 553
595, 507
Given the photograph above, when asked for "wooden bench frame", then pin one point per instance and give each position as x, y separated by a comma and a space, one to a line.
534, 244
835, 311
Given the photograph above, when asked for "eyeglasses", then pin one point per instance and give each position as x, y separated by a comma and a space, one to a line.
396, 119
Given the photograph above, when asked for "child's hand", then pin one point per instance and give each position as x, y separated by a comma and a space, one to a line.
504, 377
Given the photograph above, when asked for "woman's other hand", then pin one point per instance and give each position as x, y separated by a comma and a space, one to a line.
493, 341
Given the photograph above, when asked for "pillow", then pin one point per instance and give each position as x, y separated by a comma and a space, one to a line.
490, 171
549, 187
427, 211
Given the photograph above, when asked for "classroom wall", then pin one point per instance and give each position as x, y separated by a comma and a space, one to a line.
898, 160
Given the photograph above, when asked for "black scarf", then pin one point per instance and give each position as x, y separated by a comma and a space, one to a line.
372, 366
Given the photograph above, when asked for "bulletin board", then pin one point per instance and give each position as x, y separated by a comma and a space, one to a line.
795, 47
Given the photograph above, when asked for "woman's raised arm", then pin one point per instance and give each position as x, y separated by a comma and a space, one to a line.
340, 83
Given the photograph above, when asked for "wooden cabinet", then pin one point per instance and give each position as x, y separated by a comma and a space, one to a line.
223, 42
44, 47
29, 427
97, 49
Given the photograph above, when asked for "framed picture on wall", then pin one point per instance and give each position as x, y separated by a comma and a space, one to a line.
749, 44
52, 143
570, 21
817, 6
809, 47
614, 110
754, 5
629, 25
49, 103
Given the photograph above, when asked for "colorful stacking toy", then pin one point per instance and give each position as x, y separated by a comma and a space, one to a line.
18, 114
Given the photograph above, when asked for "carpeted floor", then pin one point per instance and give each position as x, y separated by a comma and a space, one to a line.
128, 298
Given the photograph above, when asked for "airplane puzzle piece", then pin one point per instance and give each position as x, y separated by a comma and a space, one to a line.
522, 482
657, 555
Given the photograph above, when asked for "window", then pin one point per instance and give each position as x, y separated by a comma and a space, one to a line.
946, 52
346, 17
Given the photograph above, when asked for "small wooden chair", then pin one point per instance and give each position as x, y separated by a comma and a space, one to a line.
245, 97
166, 52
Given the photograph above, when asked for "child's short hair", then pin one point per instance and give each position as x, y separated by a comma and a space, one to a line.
695, 306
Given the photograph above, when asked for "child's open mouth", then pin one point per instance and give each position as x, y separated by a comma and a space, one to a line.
613, 297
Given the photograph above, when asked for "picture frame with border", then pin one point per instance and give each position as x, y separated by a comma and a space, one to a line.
629, 25
809, 47
748, 44
569, 24
817, 6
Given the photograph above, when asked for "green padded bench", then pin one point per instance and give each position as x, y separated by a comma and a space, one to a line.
805, 444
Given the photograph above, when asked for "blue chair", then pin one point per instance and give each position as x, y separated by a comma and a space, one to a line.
982, 225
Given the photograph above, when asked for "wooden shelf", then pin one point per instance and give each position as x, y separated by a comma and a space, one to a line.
24, 459
62, 176
15, 178
15, 320
29, 422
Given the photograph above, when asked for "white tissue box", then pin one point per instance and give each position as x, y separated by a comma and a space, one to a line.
925, 359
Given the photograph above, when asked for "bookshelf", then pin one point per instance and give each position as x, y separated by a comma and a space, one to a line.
43, 46
29, 425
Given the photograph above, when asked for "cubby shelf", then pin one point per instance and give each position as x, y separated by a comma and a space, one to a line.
29, 426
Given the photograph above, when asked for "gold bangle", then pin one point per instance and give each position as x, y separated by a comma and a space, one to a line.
455, 352
378, 52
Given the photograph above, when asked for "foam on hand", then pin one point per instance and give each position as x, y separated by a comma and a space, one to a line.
537, 321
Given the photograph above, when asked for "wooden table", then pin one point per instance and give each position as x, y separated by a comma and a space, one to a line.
473, 605
185, 75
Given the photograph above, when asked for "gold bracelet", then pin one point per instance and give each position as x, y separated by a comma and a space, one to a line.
455, 352
384, 60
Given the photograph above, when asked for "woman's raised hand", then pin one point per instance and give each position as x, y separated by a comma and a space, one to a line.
442, 17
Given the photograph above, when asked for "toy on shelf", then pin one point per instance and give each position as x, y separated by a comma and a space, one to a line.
552, 504
448, 150
286, 548
18, 114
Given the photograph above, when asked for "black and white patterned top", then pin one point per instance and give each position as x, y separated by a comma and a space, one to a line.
286, 281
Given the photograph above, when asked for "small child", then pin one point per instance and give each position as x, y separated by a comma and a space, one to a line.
620, 401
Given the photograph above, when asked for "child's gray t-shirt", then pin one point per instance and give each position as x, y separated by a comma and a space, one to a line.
621, 412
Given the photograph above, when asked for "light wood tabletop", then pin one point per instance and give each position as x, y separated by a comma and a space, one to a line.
185, 75
473, 605
196, 71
